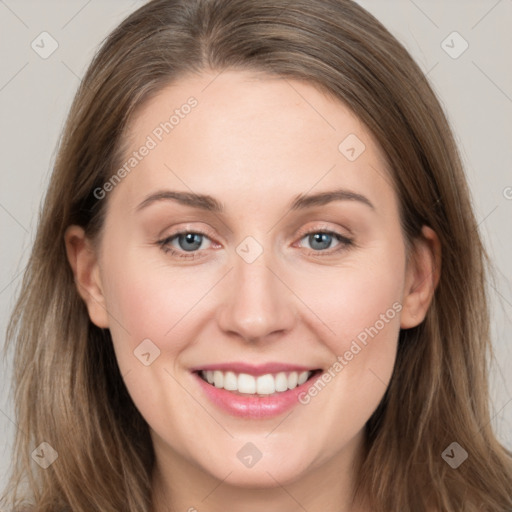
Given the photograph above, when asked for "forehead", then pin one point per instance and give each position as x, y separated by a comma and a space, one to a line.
253, 135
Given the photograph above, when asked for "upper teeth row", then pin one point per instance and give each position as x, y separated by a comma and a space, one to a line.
262, 385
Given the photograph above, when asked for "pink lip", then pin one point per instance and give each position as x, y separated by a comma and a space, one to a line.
253, 406
253, 369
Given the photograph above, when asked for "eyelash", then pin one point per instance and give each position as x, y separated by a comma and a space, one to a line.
344, 243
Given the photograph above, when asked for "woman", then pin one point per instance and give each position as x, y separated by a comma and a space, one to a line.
257, 280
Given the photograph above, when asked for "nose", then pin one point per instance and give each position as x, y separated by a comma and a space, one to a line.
257, 304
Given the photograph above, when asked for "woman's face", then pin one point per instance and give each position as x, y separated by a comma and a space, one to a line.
257, 238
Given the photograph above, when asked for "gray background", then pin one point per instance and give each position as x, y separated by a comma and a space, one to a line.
475, 89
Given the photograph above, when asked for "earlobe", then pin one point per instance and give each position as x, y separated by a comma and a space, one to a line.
422, 276
84, 263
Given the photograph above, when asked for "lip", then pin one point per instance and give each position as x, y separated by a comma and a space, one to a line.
253, 406
253, 369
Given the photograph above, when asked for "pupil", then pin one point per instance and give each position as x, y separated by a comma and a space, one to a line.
190, 241
320, 240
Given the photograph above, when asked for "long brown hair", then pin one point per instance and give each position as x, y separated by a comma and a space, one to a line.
68, 388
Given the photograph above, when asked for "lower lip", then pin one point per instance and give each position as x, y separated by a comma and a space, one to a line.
252, 406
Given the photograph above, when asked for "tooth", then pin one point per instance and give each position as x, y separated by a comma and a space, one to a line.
230, 381
281, 382
292, 380
218, 379
303, 377
265, 385
246, 383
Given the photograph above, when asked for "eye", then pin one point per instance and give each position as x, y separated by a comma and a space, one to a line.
321, 241
189, 244
189, 241
179, 244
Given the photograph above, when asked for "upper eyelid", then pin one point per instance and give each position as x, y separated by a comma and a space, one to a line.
302, 233
329, 231
183, 231
323, 226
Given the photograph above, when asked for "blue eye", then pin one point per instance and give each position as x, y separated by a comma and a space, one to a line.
185, 244
320, 241
190, 241
191, 244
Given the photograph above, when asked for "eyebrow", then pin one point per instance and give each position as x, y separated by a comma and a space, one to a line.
308, 201
209, 203
200, 201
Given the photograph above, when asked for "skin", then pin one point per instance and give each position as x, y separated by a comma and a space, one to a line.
254, 143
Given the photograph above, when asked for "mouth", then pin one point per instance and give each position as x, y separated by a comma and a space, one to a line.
264, 385
255, 392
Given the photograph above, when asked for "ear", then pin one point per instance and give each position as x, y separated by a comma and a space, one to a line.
84, 262
422, 276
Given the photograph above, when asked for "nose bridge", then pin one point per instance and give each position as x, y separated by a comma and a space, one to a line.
256, 303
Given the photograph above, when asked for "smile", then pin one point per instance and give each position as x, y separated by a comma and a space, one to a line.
254, 392
264, 385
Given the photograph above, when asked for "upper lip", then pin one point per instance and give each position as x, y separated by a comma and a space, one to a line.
254, 369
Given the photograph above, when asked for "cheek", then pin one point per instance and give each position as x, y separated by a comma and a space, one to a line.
359, 306
361, 300
148, 300
157, 312
155, 316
